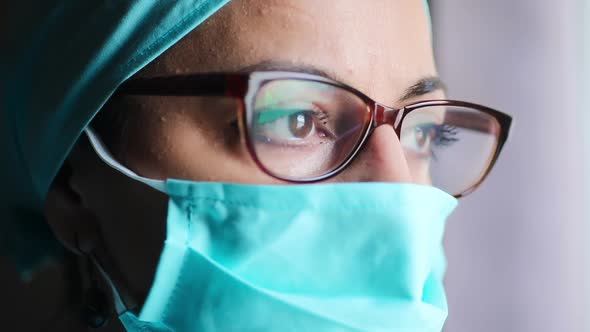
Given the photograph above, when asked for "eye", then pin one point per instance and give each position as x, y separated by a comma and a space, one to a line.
301, 124
424, 139
421, 138
287, 126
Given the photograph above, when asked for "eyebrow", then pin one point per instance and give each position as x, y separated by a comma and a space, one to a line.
421, 87
285, 66
424, 86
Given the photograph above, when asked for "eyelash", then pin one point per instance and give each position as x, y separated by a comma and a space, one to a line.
446, 135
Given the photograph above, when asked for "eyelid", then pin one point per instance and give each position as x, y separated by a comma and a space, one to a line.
271, 115
273, 112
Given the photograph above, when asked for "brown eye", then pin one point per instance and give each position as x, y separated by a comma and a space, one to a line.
421, 137
301, 124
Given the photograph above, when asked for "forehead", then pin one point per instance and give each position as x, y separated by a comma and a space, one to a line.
378, 46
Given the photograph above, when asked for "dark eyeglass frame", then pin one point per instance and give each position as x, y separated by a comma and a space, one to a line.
244, 86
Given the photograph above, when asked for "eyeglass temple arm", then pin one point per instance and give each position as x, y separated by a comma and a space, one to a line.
187, 85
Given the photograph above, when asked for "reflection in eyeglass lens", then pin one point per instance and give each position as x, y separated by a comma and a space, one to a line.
303, 129
450, 148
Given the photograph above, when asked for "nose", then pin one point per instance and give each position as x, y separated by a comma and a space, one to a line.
381, 159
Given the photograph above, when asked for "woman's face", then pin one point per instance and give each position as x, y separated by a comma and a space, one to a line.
381, 47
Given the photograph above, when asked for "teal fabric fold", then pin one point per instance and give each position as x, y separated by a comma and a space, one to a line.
64, 60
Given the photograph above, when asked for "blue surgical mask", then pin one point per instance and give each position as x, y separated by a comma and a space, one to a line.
321, 258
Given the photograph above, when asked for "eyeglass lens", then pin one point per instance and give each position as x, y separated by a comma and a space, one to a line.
449, 147
303, 129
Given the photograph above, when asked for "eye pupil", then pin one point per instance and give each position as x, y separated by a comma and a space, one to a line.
300, 124
421, 137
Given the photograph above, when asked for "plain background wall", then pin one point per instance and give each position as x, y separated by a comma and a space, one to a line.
516, 248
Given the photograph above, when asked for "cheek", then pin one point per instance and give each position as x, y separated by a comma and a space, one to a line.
134, 228
419, 169
131, 219
195, 139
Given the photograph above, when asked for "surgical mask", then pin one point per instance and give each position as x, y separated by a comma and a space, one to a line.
322, 258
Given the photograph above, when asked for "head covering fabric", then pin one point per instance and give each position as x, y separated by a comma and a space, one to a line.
427, 6
65, 60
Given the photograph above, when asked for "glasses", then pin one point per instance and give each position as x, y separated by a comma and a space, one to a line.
303, 128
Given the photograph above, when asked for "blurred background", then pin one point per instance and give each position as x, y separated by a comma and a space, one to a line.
518, 247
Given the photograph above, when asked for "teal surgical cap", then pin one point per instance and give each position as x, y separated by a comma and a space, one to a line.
63, 60
66, 57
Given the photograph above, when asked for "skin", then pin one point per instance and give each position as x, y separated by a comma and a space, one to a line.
381, 48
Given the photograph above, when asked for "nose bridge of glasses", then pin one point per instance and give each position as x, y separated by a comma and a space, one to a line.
386, 115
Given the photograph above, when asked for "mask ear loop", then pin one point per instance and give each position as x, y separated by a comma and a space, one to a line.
120, 306
105, 155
